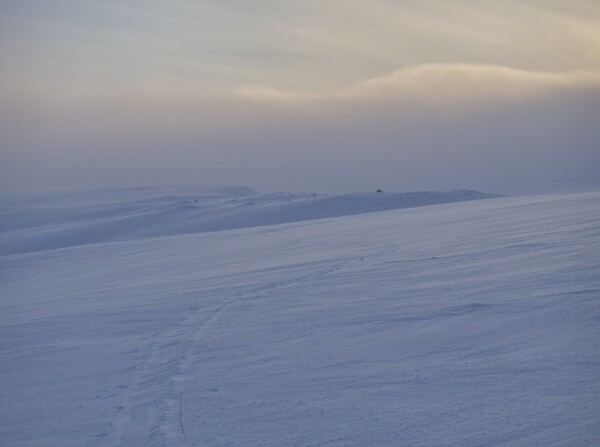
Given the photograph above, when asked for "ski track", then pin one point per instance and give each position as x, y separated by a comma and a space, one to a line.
153, 412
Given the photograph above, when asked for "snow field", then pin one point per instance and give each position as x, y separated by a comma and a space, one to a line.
465, 324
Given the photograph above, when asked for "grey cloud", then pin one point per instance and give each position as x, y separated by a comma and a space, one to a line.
362, 138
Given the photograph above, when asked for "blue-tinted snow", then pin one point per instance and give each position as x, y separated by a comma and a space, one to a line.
34, 222
465, 324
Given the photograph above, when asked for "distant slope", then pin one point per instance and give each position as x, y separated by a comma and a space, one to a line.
32, 222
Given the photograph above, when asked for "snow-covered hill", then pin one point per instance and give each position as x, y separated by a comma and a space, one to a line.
33, 222
464, 324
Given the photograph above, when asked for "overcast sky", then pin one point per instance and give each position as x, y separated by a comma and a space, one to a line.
324, 95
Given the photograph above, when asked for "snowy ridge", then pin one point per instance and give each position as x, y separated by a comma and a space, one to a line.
52, 221
473, 323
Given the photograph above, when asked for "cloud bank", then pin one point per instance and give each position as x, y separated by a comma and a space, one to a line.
434, 126
438, 84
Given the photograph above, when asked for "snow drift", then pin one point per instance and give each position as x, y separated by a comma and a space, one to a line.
51, 221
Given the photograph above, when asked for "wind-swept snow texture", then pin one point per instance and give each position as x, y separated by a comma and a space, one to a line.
464, 324
57, 220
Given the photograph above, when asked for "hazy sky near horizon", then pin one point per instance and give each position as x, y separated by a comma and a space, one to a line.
324, 95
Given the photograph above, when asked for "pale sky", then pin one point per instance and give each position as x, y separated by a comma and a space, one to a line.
324, 95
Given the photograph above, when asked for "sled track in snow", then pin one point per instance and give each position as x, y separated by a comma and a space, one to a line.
153, 411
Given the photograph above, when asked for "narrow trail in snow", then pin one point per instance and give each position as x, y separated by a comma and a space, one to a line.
153, 413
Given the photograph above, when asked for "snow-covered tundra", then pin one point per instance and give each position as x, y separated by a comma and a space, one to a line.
171, 318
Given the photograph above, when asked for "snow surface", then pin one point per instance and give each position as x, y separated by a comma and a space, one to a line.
31, 222
465, 324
